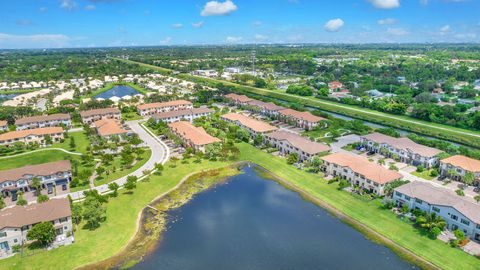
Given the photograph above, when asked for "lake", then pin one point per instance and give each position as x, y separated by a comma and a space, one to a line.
253, 223
119, 91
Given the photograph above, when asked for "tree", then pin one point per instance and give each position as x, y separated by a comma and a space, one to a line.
93, 212
2, 202
292, 158
37, 184
258, 139
72, 143
76, 213
159, 167
114, 188
468, 179
131, 183
43, 233
100, 170
42, 198
477, 198
174, 161
21, 200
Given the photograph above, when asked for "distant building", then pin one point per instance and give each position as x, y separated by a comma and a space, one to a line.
108, 128
191, 136
401, 79
405, 149
205, 73
458, 213
335, 85
238, 99
15, 223
253, 126
289, 143
181, 115
88, 117
265, 108
160, 107
3, 126
359, 171
305, 120
41, 121
38, 135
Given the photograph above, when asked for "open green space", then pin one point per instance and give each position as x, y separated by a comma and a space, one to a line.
81, 142
35, 158
467, 137
119, 171
109, 86
131, 116
425, 174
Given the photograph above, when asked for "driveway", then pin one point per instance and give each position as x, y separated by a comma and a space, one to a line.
160, 154
343, 141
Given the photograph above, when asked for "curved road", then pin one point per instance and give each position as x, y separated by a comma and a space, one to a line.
160, 154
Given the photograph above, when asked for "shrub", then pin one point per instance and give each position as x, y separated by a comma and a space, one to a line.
460, 192
434, 173
420, 168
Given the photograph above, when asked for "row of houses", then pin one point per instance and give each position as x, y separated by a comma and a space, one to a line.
40, 121
304, 120
178, 115
161, 107
29, 136
15, 222
195, 137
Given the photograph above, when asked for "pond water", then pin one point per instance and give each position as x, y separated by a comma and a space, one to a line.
119, 91
254, 223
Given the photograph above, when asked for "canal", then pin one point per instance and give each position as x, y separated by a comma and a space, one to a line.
251, 222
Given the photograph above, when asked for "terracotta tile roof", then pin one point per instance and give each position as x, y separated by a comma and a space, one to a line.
35, 170
255, 125
300, 142
107, 127
180, 113
466, 163
404, 144
265, 105
19, 216
24, 133
361, 165
99, 112
163, 104
238, 98
441, 196
307, 116
42, 118
197, 135
3, 123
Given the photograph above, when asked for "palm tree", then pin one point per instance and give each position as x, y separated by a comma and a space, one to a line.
430, 221
37, 184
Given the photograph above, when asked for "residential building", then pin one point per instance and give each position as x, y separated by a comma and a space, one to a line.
160, 107
191, 136
108, 128
205, 73
460, 165
253, 126
289, 143
27, 136
3, 126
265, 108
179, 115
305, 120
15, 223
51, 175
335, 86
88, 117
459, 213
404, 149
359, 171
239, 100
40, 121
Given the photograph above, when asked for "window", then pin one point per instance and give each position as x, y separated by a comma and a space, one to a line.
407, 198
398, 194
436, 209
418, 201
478, 226
464, 221
454, 217
63, 220
3, 234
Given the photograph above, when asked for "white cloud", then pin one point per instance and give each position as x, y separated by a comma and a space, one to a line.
43, 9
198, 24
215, 8
445, 28
8, 41
165, 41
387, 21
177, 25
90, 7
334, 25
259, 37
68, 5
423, 2
24, 22
385, 4
397, 31
256, 23
233, 39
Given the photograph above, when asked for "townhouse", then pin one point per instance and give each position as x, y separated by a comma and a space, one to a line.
253, 126
51, 175
359, 172
160, 107
179, 115
90, 116
239, 100
404, 149
15, 223
109, 128
305, 120
459, 213
460, 165
265, 108
3, 126
289, 143
40, 121
191, 136
38, 135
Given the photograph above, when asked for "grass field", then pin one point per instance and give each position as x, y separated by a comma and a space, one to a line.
425, 174
35, 158
109, 86
81, 142
463, 136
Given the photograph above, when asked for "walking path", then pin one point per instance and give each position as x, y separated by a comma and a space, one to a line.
41, 150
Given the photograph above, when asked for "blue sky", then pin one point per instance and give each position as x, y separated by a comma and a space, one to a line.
98, 23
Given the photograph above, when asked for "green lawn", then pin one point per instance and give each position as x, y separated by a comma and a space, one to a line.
81, 142
369, 213
113, 235
35, 158
117, 162
131, 116
425, 174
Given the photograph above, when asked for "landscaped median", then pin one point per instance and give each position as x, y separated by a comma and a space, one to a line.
369, 217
